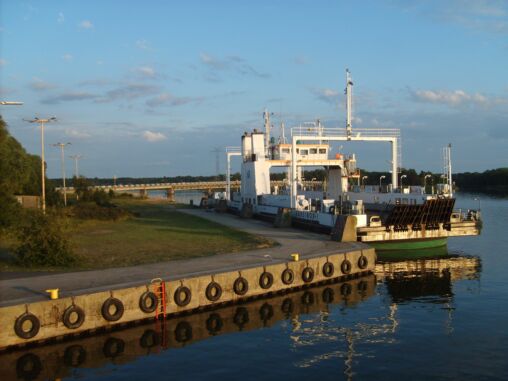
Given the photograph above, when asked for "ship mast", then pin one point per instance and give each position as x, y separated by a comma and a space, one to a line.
266, 116
349, 104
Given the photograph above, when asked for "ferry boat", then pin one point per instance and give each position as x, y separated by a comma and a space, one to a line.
389, 217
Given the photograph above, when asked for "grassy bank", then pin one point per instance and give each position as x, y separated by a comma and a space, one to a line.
156, 232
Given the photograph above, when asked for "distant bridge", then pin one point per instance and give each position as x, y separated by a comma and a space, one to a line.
171, 188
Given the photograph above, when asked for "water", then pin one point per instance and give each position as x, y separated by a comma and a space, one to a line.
437, 325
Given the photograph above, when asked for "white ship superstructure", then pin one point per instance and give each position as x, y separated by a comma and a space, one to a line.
385, 213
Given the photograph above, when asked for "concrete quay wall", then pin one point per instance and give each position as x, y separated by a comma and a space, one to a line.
49, 315
59, 359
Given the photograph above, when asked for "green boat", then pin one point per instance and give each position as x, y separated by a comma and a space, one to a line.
409, 244
410, 252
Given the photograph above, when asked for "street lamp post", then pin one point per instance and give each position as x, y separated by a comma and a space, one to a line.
381, 181
43, 167
363, 179
62, 149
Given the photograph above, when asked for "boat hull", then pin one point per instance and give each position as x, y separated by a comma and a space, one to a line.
412, 244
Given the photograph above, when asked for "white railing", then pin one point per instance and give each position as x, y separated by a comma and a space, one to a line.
342, 132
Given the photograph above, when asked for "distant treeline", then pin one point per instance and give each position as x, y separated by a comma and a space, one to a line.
494, 181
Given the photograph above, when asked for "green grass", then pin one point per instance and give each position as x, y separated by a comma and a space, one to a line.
156, 233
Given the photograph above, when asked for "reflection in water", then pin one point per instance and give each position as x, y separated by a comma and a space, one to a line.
126, 345
424, 280
308, 312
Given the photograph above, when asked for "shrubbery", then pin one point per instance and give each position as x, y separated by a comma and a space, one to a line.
90, 210
43, 242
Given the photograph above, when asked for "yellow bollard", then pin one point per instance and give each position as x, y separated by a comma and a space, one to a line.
53, 293
296, 257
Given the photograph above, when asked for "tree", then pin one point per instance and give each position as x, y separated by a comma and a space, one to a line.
20, 173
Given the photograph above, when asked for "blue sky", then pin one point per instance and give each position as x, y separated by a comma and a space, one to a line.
151, 88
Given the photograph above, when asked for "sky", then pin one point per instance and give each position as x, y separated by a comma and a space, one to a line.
152, 88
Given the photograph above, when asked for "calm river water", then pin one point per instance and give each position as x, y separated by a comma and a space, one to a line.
435, 324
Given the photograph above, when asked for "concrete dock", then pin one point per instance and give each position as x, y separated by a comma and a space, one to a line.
59, 359
24, 302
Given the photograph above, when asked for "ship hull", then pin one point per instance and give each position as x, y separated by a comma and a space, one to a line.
411, 244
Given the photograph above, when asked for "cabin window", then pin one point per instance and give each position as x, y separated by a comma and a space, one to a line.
313, 151
322, 150
285, 150
298, 150
304, 152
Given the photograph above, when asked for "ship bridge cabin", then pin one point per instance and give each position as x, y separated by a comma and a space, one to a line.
303, 151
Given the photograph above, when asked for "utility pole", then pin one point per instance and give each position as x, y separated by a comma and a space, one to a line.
76, 168
43, 166
62, 149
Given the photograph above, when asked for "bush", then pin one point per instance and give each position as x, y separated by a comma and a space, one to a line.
90, 210
43, 243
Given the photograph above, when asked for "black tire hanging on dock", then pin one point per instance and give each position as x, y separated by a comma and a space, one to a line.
287, 277
307, 274
148, 302
34, 329
328, 269
266, 280
182, 296
67, 317
213, 291
363, 262
241, 286
345, 266
119, 309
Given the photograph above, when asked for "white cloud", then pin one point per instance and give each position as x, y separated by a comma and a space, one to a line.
3, 62
69, 96
326, 95
143, 45
153, 137
86, 24
167, 99
482, 15
67, 57
233, 64
61, 18
77, 134
146, 72
453, 98
38, 84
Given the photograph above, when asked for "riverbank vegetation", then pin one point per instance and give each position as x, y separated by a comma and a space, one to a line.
154, 232
96, 229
